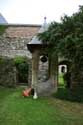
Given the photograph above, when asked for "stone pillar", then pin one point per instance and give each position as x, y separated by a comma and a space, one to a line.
53, 69
35, 65
29, 73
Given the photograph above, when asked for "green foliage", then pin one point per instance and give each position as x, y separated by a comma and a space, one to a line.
2, 29
22, 67
66, 94
1, 60
7, 72
66, 37
19, 59
5, 60
23, 71
61, 81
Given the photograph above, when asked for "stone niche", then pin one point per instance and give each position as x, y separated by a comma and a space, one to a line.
7, 72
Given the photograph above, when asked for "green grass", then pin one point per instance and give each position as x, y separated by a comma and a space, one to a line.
17, 110
61, 79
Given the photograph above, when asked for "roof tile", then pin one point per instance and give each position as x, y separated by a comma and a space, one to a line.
22, 31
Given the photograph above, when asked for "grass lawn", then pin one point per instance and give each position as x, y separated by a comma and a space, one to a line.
61, 79
17, 110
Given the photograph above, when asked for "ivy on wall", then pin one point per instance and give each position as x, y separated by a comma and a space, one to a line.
21, 64
2, 29
7, 72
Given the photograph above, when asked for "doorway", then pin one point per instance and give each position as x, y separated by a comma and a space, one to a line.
64, 75
21, 64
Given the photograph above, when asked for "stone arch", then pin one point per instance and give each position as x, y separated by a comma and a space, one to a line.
64, 66
65, 62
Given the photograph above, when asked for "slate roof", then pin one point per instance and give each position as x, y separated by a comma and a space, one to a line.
43, 28
2, 19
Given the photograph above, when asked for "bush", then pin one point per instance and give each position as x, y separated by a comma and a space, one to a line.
21, 64
2, 29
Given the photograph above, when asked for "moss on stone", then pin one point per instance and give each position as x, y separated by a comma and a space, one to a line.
7, 72
2, 29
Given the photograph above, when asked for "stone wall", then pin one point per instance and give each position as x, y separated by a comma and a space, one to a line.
14, 40
77, 79
12, 47
7, 72
43, 71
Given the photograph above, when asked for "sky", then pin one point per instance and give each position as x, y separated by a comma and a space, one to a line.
34, 11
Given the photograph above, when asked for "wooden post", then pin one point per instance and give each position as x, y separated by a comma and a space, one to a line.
35, 66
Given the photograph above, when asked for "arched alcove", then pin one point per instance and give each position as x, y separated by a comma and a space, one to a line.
64, 74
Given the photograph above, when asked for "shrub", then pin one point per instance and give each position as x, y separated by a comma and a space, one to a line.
21, 64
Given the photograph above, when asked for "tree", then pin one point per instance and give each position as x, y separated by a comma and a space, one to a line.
67, 39
66, 36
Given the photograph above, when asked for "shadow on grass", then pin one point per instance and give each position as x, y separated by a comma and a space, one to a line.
66, 94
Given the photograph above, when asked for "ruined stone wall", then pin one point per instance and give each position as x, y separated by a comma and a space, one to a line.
77, 79
14, 40
12, 47
7, 72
